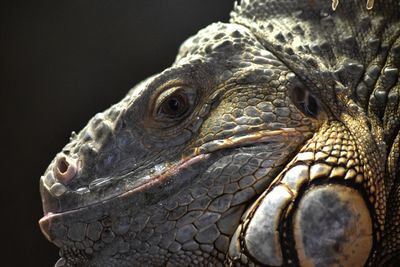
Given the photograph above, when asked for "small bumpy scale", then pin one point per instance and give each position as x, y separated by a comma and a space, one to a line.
370, 4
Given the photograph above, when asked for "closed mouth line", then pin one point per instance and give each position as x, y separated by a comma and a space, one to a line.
200, 153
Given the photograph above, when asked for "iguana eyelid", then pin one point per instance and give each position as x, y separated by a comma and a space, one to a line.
188, 92
164, 95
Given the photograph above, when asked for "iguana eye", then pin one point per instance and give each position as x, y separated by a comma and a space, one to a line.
305, 102
174, 103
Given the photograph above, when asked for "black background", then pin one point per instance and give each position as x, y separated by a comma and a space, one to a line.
61, 62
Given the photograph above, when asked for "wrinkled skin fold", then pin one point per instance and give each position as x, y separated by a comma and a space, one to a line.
272, 140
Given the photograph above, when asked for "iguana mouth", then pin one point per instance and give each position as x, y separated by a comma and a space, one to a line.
52, 206
157, 178
49, 202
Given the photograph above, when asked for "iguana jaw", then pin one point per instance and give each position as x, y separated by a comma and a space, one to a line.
53, 203
186, 169
155, 180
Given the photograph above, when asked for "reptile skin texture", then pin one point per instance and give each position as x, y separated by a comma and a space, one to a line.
272, 140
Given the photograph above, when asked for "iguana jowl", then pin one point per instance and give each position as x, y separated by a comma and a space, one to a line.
273, 140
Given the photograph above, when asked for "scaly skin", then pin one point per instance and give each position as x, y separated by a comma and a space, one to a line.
273, 140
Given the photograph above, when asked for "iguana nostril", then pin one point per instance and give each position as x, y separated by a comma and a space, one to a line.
62, 165
64, 170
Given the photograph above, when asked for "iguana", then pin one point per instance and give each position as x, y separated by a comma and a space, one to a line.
272, 140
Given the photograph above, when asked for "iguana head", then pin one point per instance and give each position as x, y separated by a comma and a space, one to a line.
197, 141
165, 175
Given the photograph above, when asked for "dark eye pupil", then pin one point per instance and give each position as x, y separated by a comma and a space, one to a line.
174, 104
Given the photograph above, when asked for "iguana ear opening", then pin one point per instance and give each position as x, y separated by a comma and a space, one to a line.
305, 102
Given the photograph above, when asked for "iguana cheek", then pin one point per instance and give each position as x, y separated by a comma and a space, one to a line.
332, 227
